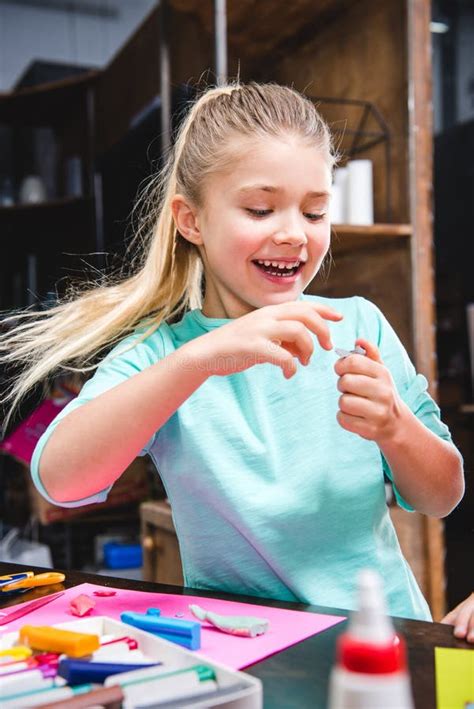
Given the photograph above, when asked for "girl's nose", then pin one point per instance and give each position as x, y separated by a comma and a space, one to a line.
294, 236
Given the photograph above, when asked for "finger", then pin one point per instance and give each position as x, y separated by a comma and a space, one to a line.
354, 424
325, 311
470, 628
450, 618
302, 307
313, 316
358, 364
294, 337
357, 406
280, 357
359, 384
371, 351
462, 621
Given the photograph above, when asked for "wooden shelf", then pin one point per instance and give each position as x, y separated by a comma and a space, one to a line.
352, 237
55, 225
45, 104
36, 207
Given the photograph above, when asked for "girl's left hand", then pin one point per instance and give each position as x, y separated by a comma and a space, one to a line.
370, 404
462, 617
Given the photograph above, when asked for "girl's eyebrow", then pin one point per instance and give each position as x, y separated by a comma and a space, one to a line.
273, 189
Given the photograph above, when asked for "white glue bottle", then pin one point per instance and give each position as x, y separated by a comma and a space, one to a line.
371, 670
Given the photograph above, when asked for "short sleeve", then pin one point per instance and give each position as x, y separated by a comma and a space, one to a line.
412, 387
127, 359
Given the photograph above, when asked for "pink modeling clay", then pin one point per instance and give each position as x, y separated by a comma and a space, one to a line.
104, 593
81, 605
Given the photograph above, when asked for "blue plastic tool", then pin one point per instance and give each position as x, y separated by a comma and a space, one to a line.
80, 671
183, 632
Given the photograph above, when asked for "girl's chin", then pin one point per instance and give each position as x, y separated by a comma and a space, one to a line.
288, 296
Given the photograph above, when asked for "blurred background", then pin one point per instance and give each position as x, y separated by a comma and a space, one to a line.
90, 92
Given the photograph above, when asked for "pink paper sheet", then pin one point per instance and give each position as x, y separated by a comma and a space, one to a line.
286, 627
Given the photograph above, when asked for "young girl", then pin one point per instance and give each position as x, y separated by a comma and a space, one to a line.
276, 482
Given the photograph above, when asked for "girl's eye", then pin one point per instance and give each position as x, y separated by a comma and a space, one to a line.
259, 212
314, 217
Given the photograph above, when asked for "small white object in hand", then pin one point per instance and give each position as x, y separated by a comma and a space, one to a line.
345, 353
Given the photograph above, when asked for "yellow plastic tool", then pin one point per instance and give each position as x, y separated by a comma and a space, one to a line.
46, 579
15, 654
43, 637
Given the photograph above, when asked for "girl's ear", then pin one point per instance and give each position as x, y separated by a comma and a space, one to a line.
185, 219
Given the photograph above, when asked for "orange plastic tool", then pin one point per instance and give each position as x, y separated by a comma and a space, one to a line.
43, 637
47, 579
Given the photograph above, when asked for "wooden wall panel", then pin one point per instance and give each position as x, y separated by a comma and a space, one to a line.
132, 79
361, 54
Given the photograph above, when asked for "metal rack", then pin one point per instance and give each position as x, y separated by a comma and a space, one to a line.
356, 137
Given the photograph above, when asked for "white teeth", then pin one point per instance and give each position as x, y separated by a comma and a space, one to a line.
279, 264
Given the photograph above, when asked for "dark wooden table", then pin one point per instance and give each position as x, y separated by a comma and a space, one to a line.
296, 678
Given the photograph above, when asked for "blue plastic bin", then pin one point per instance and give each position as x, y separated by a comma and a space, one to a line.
119, 555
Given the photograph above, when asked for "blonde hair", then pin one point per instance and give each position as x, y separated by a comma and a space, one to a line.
165, 277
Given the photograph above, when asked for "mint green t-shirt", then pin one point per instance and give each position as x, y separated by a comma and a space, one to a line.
270, 495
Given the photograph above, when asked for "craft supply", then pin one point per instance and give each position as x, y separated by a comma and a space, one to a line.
176, 660
118, 653
45, 670
154, 687
56, 640
345, 353
47, 579
12, 614
105, 593
26, 681
81, 671
244, 625
130, 642
46, 694
24, 665
108, 697
454, 668
81, 605
371, 666
183, 632
287, 626
12, 654
11, 578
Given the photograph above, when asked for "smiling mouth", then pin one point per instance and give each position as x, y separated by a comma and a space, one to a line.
275, 269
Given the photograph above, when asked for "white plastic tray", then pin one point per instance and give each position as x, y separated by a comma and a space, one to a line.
247, 695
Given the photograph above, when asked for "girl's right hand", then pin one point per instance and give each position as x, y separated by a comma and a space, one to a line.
275, 334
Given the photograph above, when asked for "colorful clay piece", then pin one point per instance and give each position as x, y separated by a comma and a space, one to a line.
58, 640
244, 625
105, 593
81, 605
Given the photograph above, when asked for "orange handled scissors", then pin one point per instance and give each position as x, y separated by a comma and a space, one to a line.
46, 579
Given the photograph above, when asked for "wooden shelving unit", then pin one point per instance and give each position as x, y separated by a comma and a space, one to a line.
41, 237
351, 238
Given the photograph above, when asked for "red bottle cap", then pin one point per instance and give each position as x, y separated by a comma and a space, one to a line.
369, 658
